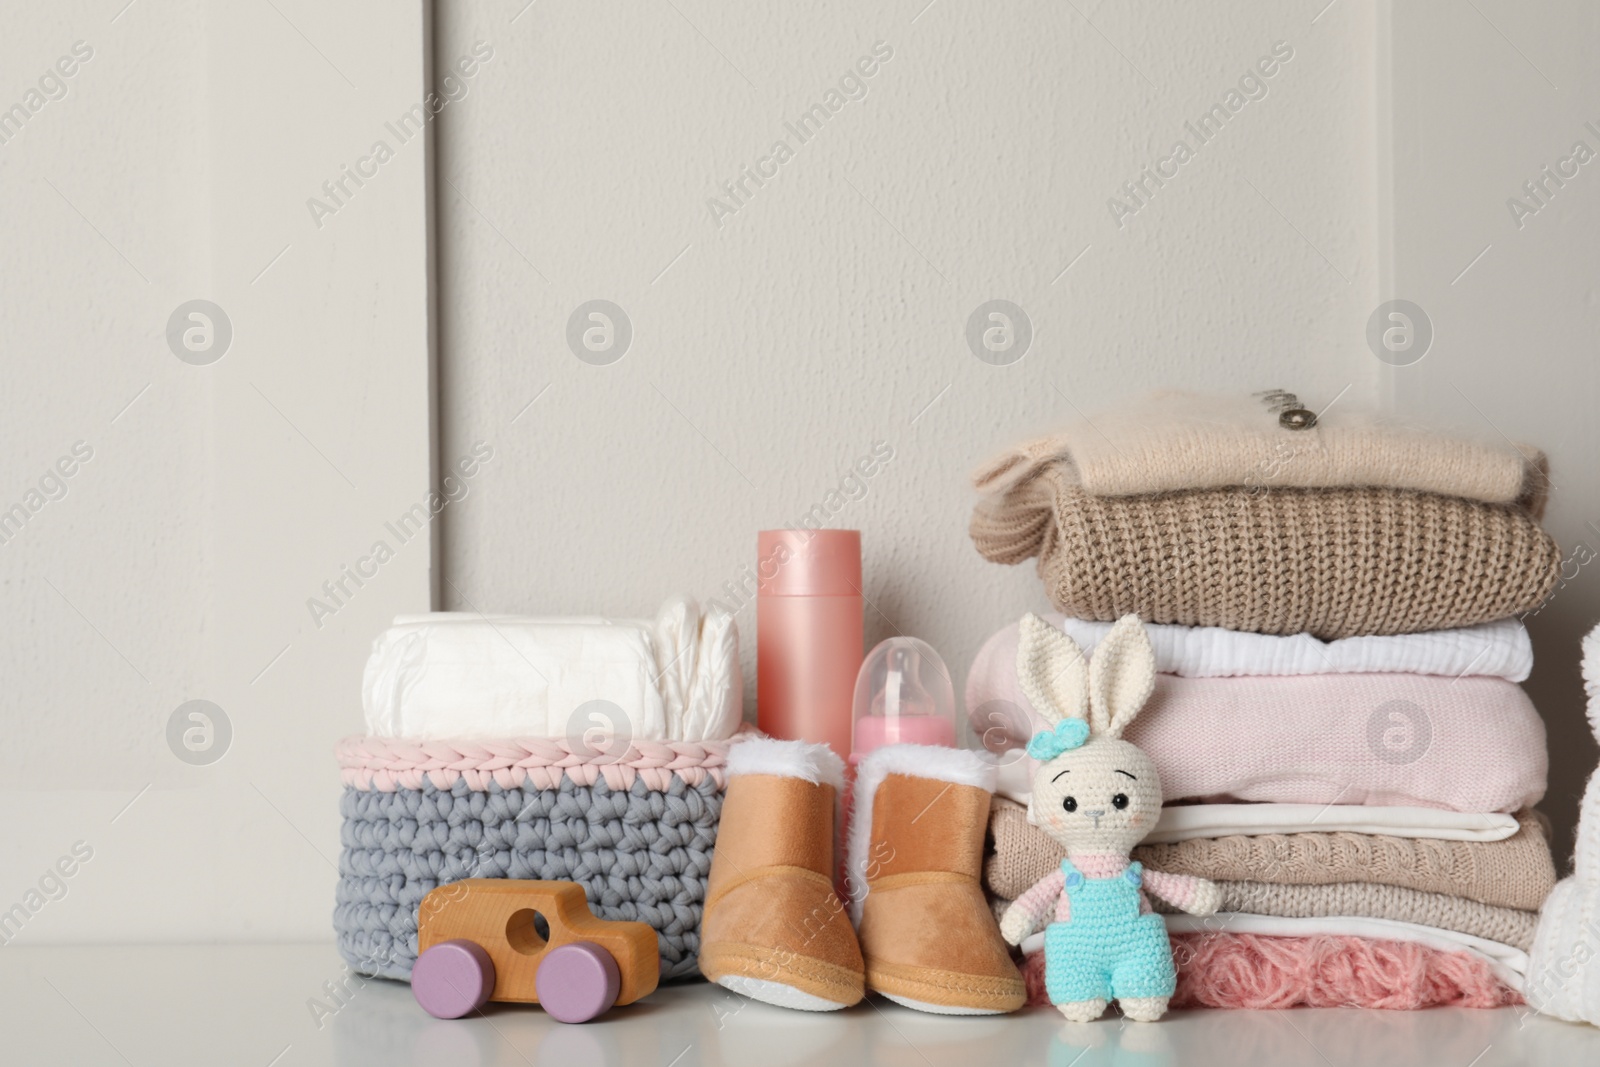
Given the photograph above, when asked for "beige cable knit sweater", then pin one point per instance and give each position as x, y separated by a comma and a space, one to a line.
1505, 925
1508, 926
1330, 562
1515, 873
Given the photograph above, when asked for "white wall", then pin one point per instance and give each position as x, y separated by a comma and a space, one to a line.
103, 240
1483, 100
828, 312
219, 497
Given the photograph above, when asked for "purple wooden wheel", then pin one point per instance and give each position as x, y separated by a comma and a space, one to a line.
577, 981
452, 979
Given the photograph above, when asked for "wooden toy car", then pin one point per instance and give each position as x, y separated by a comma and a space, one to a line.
527, 942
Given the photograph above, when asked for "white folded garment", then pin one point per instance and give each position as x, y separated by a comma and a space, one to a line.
1499, 649
470, 676
1184, 822
1509, 963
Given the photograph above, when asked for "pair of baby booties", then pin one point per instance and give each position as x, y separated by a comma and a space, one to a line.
918, 929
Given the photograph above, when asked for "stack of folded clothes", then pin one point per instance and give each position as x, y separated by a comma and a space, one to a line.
1342, 742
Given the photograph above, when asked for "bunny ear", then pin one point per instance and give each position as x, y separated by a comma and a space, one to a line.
1121, 676
1052, 671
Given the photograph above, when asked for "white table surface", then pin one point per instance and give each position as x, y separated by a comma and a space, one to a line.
248, 1005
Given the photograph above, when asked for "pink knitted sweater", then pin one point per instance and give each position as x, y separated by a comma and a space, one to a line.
1463, 744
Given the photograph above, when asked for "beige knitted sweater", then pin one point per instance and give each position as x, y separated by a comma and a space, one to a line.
1517, 873
1363, 900
1178, 440
1508, 926
1330, 562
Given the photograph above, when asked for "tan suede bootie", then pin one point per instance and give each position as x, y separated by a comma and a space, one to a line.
773, 928
916, 854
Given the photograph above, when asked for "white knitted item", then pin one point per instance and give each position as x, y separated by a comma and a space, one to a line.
958, 766
1564, 977
1499, 649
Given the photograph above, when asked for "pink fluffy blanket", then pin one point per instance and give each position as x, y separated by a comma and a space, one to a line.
1225, 970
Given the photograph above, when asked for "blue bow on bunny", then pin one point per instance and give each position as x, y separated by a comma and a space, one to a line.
1048, 744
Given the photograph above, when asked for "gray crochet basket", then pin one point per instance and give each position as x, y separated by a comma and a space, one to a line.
641, 849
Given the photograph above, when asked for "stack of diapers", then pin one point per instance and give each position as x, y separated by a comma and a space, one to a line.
586, 750
1342, 741
454, 674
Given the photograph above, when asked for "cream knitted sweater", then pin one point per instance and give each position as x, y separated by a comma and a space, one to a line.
1180, 440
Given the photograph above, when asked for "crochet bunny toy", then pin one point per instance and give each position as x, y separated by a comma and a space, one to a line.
1099, 796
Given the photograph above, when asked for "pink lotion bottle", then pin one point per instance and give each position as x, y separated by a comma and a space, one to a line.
809, 634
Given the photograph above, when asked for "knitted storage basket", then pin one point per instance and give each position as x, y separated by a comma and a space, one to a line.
636, 832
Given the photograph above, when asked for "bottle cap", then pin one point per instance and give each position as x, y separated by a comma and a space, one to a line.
809, 563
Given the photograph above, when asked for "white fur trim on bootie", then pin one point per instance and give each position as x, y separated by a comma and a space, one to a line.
958, 766
816, 764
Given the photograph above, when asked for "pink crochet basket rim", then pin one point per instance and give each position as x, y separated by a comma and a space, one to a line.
387, 764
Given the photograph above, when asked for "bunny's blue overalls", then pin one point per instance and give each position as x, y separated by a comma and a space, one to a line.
1107, 950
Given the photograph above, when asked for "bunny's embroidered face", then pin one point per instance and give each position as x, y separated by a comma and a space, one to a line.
1102, 797
1094, 791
